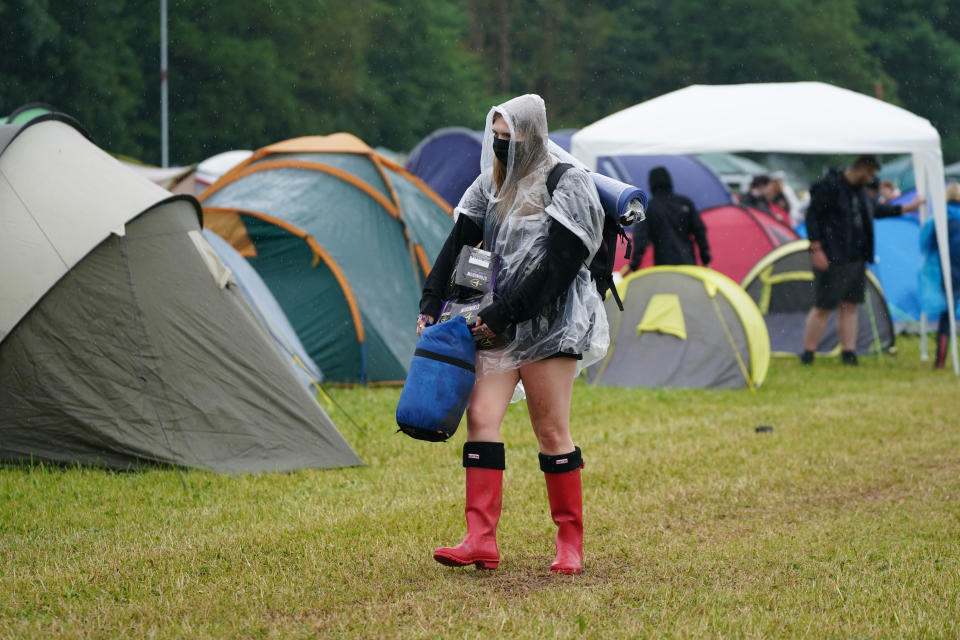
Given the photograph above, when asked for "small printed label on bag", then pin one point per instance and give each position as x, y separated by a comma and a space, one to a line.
480, 262
563, 461
473, 456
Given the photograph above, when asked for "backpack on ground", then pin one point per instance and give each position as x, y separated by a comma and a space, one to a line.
601, 267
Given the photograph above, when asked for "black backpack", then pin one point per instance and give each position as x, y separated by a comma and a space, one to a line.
601, 267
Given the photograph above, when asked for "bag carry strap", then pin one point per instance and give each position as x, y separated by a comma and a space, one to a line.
555, 174
616, 296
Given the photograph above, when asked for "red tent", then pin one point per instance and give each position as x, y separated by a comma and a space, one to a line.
738, 236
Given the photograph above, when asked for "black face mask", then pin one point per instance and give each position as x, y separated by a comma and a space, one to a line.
501, 149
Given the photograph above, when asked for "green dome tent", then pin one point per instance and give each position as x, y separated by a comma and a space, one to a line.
344, 238
781, 284
683, 326
123, 339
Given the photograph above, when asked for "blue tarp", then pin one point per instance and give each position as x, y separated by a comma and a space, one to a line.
897, 265
266, 307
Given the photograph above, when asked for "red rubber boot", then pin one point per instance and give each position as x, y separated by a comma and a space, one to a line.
566, 507
484, 499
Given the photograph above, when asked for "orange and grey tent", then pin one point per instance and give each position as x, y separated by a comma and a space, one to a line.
344, 238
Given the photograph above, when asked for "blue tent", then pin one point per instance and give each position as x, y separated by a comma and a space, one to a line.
448, 160
691, 177
267, 308
562, 138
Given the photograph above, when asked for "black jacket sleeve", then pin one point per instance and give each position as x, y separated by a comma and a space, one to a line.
564, 255
699, 231
887, 210
465, 232
821, 199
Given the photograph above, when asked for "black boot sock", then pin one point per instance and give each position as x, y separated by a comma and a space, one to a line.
561, 463
486, 455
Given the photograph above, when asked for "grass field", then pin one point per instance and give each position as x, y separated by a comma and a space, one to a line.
842, 522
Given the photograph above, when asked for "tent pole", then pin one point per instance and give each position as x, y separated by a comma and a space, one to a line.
920, 173
164, 120
924, 356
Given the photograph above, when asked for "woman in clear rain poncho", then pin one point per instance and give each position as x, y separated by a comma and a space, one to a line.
545, 303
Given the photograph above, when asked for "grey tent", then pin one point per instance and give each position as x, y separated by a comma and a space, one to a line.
123, 341
683, 326
781, 283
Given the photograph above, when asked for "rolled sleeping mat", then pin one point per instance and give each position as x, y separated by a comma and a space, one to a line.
626, 201
623, 201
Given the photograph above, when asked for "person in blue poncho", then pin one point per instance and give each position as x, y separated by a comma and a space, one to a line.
932, 297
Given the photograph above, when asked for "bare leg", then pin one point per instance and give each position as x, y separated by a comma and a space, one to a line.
549, 387
483, 459
488, 404
847, 326
813, 330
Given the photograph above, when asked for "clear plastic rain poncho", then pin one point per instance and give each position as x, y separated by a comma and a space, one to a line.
515, 219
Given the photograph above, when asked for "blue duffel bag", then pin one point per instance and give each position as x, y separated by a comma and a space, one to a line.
439, 383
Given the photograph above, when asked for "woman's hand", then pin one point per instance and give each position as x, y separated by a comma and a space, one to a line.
481, 330
424, 321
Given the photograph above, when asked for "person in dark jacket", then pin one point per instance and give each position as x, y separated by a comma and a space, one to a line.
840, 228
672, 226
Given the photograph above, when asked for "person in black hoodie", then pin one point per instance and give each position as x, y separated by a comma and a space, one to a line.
673, 225
840, 229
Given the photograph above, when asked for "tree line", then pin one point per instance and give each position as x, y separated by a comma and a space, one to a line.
249, 72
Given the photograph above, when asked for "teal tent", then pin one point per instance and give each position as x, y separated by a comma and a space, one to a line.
344, 238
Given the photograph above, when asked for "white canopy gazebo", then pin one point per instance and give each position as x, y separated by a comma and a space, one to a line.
792, 117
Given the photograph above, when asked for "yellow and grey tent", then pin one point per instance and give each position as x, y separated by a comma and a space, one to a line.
781, 283
343, 237
683, 326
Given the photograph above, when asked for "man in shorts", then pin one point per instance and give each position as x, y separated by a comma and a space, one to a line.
840, 228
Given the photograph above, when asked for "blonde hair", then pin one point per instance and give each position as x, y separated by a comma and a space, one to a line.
529, 155
953, 192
